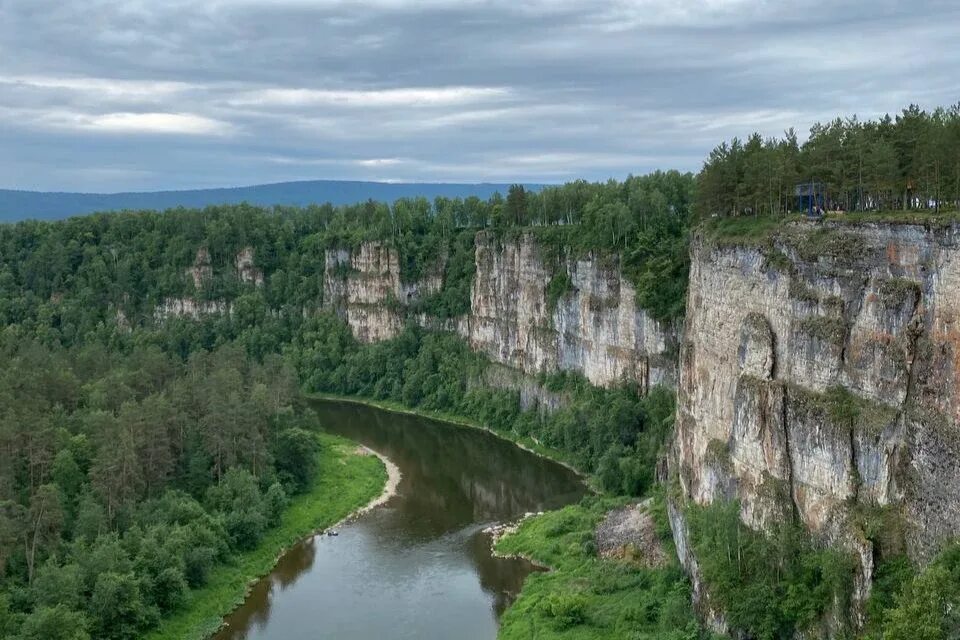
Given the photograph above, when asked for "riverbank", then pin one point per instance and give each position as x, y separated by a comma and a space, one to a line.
389, 488
580, 595
350, 481
585, 596
526, 443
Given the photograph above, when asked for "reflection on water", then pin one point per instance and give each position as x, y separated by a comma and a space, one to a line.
418, 567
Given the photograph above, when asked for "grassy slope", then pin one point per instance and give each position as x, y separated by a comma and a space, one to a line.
758, 231
910, 216
742, 230
346, 482
587, 598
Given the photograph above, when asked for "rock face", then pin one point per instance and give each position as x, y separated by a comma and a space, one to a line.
247, 271
200, 274
190, 308
595, 328
820, 378
365, 287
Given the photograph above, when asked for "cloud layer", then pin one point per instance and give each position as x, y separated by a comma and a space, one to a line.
136, 94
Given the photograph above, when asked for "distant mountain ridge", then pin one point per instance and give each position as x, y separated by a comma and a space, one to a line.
48, 205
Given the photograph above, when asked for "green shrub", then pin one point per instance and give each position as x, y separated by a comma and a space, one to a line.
926, 607
565, 610
589, 547
770, 585
895, 292
559, 285
831, 329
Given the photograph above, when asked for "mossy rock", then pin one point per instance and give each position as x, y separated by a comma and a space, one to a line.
896, 292
777, 260
801, 291
840, 247
558, 287
718, 455
829, 329
842, 409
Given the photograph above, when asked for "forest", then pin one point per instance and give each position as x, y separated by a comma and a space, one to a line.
126, 477
907, 161
66, 280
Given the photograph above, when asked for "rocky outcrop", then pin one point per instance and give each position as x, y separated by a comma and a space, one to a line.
819, 380
630, 533
190, 308
247, 271
594, 328
200, 273
365, 287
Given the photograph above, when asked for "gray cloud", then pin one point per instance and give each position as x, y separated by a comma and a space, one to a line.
138, 94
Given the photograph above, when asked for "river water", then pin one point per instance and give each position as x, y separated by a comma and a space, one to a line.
418, 567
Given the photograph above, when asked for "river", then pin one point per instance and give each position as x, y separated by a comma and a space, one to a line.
418, 567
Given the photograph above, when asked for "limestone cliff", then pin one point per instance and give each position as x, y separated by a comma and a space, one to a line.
819, 378
199, 274
365, 287
595, 328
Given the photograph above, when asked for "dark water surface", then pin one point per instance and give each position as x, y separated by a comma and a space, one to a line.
419, 566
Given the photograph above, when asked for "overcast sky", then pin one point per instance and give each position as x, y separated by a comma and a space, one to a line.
104, 95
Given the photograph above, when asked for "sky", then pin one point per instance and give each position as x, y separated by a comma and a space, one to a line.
105, 95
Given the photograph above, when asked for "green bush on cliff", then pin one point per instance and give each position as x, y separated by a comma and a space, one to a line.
770, 585
922, 606
559, 285
453, 299
658, 264
895, 292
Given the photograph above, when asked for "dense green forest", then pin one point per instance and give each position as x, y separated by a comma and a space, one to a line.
907, 161
127, 476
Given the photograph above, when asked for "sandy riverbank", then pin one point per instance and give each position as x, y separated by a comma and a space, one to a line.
389, 489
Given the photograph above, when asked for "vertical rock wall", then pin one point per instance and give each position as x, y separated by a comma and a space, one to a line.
595, 329
365, 288
200, 274
818, 377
